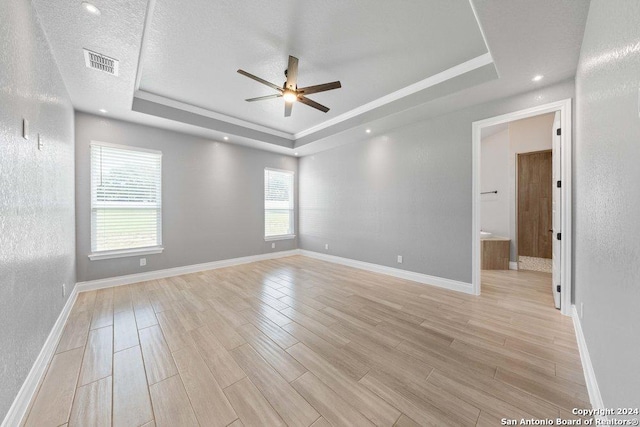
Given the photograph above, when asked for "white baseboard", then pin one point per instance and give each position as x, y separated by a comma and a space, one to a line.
589, 374
169, 272
27, 392
513, 265
440, 282
109, 282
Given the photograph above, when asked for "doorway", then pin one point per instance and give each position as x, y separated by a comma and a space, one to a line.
534, 209
558, 239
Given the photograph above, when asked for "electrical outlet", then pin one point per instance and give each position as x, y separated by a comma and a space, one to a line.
399, 259
64, 290
143, 262
581, 310
273, 246
40, 143
326, 246
25, 128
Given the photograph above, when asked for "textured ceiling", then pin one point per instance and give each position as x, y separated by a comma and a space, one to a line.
191, 50
115, 33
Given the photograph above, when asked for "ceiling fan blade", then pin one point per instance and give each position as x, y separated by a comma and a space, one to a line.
258, 79
261, 98
313, 104
287, 108
292, 73
319, 88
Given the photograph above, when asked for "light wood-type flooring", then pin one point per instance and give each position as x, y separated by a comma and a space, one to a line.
301, 342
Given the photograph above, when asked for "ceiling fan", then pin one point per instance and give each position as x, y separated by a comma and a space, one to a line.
289, 90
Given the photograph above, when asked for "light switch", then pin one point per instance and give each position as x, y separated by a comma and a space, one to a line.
25, 128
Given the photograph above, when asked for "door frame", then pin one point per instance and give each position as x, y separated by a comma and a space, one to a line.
566, 150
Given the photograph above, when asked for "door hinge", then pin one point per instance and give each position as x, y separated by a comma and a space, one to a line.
558, 288
559, 184
558, 132
559, 236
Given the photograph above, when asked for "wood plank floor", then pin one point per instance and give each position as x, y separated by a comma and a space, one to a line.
300, 342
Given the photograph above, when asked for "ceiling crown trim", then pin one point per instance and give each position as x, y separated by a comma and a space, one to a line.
447, 74
159, 99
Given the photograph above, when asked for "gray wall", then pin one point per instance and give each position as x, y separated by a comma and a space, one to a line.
212, 192
406, 192
607, 198
37, 253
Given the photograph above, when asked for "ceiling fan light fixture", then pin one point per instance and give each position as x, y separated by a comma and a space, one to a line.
290, 91
289, 96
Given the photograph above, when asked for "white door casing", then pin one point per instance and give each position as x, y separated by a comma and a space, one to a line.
556, 208
564, 106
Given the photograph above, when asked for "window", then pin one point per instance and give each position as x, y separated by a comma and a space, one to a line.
278, 205
126, 201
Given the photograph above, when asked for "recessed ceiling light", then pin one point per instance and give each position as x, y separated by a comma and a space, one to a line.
537, 78
226, 138
91, 8
368, 131
103, 111
295, 154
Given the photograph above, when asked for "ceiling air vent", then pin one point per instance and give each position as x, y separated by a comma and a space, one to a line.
101, 62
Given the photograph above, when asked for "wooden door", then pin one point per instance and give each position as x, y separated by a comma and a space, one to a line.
535, 235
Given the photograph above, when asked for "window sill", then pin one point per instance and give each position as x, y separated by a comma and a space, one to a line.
123, 253
283, 237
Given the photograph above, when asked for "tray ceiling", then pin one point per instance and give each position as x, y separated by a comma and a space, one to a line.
399, 62
191, 52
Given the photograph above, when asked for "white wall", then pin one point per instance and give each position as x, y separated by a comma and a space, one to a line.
525, 136
607, 198
494, 161
36, 195
499, 153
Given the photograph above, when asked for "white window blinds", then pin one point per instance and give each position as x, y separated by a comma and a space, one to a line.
126, 198
278, 203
